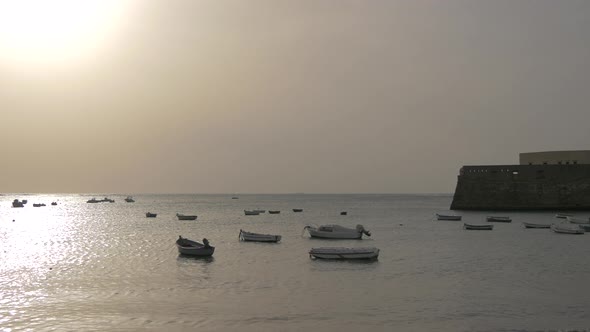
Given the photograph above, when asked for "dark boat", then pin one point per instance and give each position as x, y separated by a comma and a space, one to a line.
185, 217
274, 211
194, 248
343, 213
447, 217
150, 215
498, 219
534, 225
478, 227
297, 210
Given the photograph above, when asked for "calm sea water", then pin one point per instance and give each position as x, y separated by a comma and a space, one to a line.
79, 266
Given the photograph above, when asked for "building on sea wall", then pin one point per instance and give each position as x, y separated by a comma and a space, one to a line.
553, 180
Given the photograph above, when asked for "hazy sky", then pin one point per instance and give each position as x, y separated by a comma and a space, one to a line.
269, 96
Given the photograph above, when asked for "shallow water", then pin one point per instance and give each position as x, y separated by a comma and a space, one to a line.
79, 266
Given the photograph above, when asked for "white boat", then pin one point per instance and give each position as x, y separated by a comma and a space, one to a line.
129, 199
447, 217
185, 217
344, 253
151, 215
535, 225
194, 248
565, 228
255, 237
251, 213
336, 232
16, 204
498, 219
577, 220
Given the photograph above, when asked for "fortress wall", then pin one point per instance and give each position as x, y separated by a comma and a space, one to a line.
555, 157
523, 187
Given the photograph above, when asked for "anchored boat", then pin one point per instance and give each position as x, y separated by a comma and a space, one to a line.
344, 253
336, 232
255, 237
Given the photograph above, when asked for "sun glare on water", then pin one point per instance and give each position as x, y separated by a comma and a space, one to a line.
42, 32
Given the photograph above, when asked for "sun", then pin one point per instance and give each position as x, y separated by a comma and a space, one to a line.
49, 31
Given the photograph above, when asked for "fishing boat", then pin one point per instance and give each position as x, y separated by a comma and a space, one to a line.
53, 203
297, 210
235, 197
336, 232
151, 215
274, 211
16, 204
565, 228
129, 199
194, 248
343, 213
185, 217
38, 204
478, 227
498, 219
251, 213
344, 253
93, 200
259, 211
447, 217
255, 237
577, 220
535, 225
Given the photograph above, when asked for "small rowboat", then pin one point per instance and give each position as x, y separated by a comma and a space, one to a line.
563, 228
533, 225
498, 219
336, 232
274, 211
577, 220
297, 210
194, 248
344, 253
255, 237
251, 213
563, 215
343, 213
478, 227
447, 217
150, 215
185, 217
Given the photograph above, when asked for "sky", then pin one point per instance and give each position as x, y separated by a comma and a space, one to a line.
270, 96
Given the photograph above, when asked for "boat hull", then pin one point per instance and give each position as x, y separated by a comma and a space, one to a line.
446, 217
561, 229
339, 235
192, 248
183, 217
255, 237
344, 253
533, 225
498, 219
478, 227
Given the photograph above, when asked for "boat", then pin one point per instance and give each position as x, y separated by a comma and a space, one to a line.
235, 197
38, 204
129, 199
535, 225
577, 220
150, 215
251, 213
566, 228
94, 200
297, 210
25, 201
563, 215
498, 219
274, 211
194, 248
185, 217
336, 232
259, 211
447, 217
478, 227
255, 237
343, 213
344, 253
16, 204
53, 203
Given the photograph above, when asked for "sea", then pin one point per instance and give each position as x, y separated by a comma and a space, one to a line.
77, 266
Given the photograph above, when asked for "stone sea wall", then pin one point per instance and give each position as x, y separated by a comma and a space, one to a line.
523, 187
